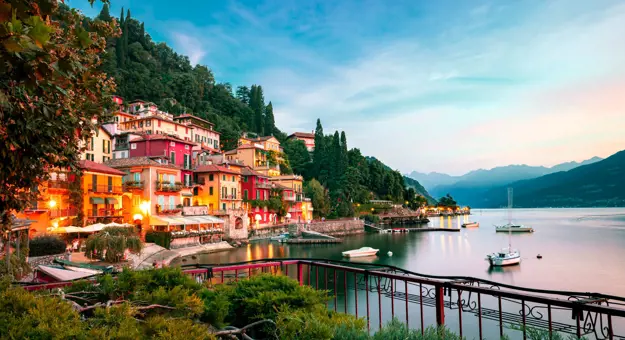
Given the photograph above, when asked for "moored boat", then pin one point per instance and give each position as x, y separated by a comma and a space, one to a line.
470, 225
364, 251
513, 228
280, 237
400, 230
506, 257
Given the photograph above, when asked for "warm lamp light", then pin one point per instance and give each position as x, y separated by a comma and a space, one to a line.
52, 203
137, 217
145, 207
55, 224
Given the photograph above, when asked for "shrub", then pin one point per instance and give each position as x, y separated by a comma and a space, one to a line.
46, 245
371, 218
162, 238
397, 330
319, 323
112, 242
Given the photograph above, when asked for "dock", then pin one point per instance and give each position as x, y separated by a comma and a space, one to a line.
418, 230
312, 240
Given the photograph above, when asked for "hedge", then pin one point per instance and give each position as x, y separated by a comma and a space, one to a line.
46, 245
162, 238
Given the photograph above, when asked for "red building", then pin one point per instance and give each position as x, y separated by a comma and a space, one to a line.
256, 187
177, 150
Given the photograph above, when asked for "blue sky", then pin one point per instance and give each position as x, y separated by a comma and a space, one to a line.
445, 86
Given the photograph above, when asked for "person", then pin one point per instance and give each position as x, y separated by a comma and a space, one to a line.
75, 244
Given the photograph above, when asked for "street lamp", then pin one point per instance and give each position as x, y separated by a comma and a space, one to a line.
52, 203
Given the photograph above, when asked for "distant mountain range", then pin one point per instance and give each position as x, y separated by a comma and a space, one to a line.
599, 184
409, 182
469, 189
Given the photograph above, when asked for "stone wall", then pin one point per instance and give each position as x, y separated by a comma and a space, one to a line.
230, 226
35, 261
335, 227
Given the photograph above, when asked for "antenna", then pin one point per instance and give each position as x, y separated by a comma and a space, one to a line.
510, 192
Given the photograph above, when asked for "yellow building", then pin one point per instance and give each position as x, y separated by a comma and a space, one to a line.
102, 192
255, 156
99, 146
220, 187
293, 182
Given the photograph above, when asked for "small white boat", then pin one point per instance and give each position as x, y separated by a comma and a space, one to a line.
364, 251
513, 228
470, 225
505, 257
280, 237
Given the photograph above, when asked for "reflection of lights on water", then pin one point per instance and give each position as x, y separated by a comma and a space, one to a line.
459, 239
270, 251
450, 244
248, 253
443, 244
257, 253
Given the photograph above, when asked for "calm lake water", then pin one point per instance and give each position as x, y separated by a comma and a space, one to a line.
582, 249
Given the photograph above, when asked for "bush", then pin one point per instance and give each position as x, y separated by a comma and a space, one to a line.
162, 238
112, 242
371, 218
397, 330
46, 245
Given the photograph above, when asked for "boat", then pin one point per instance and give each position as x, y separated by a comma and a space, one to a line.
364, 251
470, 225
506, 257
513, 228
400, 230
280, 237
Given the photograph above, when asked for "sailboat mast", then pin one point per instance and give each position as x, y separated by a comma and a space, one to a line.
509, 219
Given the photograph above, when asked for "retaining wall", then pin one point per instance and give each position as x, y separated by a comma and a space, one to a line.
334, 227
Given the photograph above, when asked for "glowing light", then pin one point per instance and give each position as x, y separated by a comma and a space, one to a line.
55, 224
137, 217
145, 207
52, 203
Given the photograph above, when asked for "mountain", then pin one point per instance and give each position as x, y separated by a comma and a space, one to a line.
432, 179
413, 183
599, 184
469, 188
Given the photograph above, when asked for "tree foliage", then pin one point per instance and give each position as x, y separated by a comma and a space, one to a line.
112, 242
50, 90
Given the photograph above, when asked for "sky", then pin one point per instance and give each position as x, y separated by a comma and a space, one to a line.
447, 86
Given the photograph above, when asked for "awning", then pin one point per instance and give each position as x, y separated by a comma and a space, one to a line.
96, 200
157, 221
111, 200
184, 220
188, 194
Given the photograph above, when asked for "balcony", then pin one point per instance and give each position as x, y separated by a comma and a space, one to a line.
67, 212
104, 212
230, 197
122, 146
194, 184
288, 198
105, 188
263, 185
56, 184
168, 186
133, 185
166, 209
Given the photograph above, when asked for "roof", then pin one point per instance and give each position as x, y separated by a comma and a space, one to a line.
247, 171
302, 135
137, 161
105, 131
231, 152
99, 167
186, 115
286, 178
154, 117
159, 136
216, 168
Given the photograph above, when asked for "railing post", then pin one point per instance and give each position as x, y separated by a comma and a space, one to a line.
440, 305
300, 273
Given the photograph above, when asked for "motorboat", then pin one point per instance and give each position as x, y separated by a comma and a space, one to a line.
364, 251
513, 228
506, 257
280, 237
470, 225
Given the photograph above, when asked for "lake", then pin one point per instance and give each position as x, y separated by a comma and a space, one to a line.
582, 249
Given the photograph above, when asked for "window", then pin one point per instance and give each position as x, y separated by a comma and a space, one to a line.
94, 182
187, 161
186, 147
148, 123
161, 200
92, 143
133, 146
172, 202
110, 183
137, 176
223, 178
224, 192
159, 123
171, 179
244, 179
245, 195
257, 194
234, 193
210, 177
210, 191
172, 143
172, 156
187, 180
233, 179
104, 159
223, 206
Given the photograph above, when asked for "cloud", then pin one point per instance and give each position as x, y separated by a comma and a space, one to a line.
189, 46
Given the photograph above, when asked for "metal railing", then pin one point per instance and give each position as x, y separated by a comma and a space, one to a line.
57, 184
168, 186
133, 185
56, 213
105, 188
104, 212
471, 307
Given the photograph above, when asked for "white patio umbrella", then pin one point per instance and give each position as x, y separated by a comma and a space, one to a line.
94, 227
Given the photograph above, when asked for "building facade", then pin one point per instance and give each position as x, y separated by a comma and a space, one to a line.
98, 147
307, 138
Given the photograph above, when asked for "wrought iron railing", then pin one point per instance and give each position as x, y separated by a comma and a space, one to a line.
471, 307
133, 185
105, 188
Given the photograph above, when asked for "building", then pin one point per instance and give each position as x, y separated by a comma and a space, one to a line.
307, 138
121, 144
178, 151
203, 132
98, 146
291, 182
220, 188
300, 208
102, 193
269, 143
255, 156
157, 123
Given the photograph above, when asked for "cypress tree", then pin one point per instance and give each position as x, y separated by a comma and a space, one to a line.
270, 124
119, 46
257, 103
334, 163
105, 15
318, 152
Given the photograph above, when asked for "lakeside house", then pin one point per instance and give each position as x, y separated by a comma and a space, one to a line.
307, 138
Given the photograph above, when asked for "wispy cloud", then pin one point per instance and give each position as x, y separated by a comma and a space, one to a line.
189, 46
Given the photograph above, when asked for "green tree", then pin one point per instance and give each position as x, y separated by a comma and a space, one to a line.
318, 196
243, 94
319, 154
270, 124
112, 242
298, 155
104, 13
257, 103
50, 92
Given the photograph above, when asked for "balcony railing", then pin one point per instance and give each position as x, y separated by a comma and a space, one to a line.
122, 146
289, 198
67, 212
133, 185
104, 212
230, 197
193, 183
168, 208
168, 186
56, 184
263, 185
105, 188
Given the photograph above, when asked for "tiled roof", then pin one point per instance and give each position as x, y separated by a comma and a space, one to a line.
137, 161
302, 135
247, 171
246, 146
186, 115
159, 136
99, 167
215, 168
231, 152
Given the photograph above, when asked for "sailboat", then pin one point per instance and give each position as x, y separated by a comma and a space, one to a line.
506, 257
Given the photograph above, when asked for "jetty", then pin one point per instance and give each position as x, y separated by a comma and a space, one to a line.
312, 240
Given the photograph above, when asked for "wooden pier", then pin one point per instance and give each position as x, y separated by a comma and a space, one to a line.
312, 240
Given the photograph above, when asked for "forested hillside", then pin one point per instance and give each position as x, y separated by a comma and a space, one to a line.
144, 69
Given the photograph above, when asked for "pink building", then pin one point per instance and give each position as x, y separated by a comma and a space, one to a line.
307, 138
178, 152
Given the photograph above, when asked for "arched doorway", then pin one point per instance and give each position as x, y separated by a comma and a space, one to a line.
186, 202
238, 223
